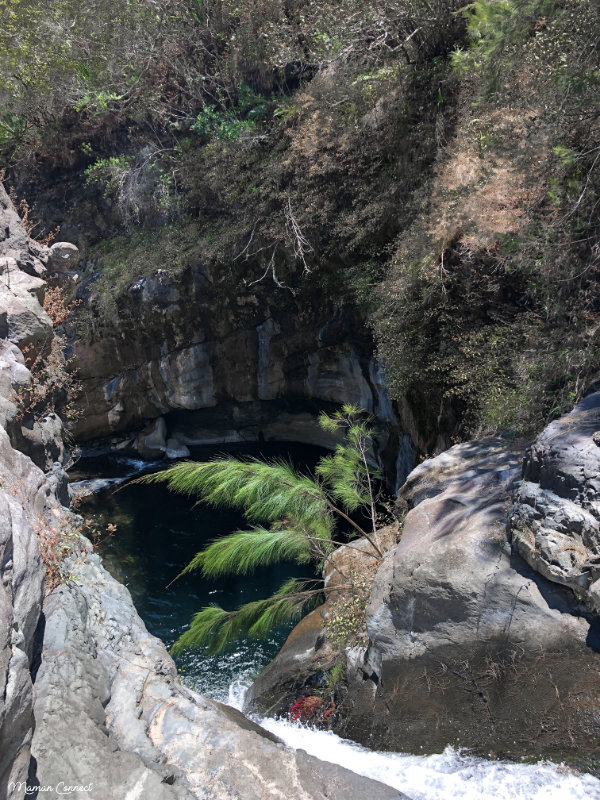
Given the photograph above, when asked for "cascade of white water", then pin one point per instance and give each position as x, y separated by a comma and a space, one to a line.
444, 776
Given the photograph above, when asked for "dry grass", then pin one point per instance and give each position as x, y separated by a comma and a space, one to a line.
481, 188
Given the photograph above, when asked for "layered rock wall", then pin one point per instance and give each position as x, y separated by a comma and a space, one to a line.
229, 362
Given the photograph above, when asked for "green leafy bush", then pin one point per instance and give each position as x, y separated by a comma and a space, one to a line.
232, 123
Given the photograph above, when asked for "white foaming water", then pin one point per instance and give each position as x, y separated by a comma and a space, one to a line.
137, 463
445, 776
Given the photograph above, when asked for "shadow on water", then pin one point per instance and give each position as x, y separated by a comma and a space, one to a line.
157, 535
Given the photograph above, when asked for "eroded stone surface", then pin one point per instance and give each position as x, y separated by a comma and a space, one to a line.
15, 243
554, 522
467, 645
309, 654
27, 324
103, 673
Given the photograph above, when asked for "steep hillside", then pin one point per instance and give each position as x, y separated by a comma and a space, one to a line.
430, 166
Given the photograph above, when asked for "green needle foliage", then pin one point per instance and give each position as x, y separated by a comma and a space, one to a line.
214, 628
243, 551
267, 492
294, 518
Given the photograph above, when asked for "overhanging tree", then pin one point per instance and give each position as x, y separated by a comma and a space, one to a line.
294, 518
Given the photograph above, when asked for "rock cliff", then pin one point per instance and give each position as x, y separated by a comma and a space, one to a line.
89, 698
223, 361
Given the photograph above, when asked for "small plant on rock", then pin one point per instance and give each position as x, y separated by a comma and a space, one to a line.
294, 519
53, 383
346, 620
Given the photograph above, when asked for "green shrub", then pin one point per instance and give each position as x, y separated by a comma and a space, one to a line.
232, 123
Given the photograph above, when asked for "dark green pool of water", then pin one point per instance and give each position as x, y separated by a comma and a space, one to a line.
157, 535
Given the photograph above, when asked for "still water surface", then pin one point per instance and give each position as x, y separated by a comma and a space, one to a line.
157, 535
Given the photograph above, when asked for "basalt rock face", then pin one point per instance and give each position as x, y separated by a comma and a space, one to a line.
466, 644
228, 362
555, 521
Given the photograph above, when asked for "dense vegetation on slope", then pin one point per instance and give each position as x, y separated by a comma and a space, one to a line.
435, 164
493, 288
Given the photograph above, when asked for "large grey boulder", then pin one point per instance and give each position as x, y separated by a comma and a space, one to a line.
42, 440
469, 646
555, 519
13, 375
72, 689
63, 262
303, 667
176, 448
